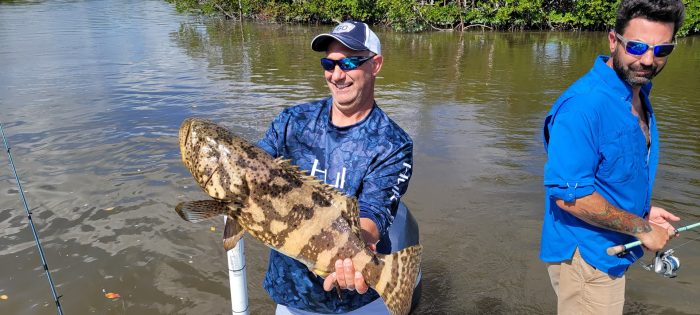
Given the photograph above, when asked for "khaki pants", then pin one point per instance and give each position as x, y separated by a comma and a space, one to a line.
582, 289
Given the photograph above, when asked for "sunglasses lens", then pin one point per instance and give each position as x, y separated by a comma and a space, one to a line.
663, 50
348, 63
328, 64
637, 48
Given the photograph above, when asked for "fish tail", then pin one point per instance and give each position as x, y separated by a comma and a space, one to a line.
398, 278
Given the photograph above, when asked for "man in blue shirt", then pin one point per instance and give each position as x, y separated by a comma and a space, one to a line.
602, 148
348, 142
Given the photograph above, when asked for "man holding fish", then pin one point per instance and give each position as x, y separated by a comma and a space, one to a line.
324, 221
348, 142
602, 147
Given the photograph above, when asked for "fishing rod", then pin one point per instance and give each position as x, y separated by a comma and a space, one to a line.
56, 297
614, 250
664, 263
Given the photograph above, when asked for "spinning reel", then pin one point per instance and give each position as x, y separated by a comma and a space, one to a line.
664, 264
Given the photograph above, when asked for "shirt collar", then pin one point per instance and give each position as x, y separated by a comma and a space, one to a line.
329, 120
616, 85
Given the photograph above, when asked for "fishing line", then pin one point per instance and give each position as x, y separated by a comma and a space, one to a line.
56, 297
679, 246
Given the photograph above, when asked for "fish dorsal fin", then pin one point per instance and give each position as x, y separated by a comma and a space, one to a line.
288, 166
285, 162
352, 215
351, 211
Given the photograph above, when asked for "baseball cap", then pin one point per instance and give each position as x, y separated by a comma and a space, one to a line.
353, 34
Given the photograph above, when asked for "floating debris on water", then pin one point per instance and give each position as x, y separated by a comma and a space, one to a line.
111, 295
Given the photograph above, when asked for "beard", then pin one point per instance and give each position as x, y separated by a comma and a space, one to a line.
627, 72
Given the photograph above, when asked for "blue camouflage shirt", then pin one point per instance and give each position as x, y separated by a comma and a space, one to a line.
371, 160
594, 143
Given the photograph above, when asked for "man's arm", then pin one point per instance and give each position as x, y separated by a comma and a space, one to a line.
370, 232
273, 139
596, 210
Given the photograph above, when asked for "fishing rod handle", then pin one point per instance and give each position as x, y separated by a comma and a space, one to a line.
614, 250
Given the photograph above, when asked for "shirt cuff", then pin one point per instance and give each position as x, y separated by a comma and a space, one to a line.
570, 192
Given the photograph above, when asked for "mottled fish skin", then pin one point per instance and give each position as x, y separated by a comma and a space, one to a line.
289, 211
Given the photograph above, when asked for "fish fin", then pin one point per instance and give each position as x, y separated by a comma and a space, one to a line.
284, 162
293, 168
352, 215
200, 210
233, 231
394, 277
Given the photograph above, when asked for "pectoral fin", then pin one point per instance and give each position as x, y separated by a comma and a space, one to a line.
232, 233
197, 211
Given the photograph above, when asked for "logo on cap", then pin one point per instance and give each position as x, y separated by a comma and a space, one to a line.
343, 28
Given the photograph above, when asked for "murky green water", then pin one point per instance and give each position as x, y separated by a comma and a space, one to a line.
92, 94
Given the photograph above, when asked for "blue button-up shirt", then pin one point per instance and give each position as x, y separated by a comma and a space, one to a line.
594, 144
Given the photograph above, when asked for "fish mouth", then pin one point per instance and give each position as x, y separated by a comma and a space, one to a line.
185, 133
185, 141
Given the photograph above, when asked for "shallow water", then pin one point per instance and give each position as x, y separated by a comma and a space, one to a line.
92, 94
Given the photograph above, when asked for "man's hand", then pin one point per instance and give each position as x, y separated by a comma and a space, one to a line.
661, 217
656, 239
345, 275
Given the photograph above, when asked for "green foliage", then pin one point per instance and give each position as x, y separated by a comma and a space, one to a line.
595, 14
400, 15
692, 18
419, 15
442, 15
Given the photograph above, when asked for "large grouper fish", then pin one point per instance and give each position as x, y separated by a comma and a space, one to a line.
287, 210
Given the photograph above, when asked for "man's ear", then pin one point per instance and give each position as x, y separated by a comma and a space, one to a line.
612, 39
377, 62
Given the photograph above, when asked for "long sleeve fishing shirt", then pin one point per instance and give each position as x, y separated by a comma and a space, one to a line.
594, 144
371, 160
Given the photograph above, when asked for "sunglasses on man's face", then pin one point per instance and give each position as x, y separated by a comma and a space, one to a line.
347, 63
638, 48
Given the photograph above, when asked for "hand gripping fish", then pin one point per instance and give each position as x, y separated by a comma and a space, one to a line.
287, 210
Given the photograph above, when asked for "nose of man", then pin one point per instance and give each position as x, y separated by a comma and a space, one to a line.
338, 74
647, 58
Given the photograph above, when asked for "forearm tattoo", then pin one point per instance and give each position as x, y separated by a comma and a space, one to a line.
613, 218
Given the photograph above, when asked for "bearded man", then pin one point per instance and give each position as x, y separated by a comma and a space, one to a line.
602, 152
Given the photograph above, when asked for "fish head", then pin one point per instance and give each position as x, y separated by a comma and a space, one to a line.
210, 152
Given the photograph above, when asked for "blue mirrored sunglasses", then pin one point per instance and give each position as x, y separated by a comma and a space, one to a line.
347, 63
638, 48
